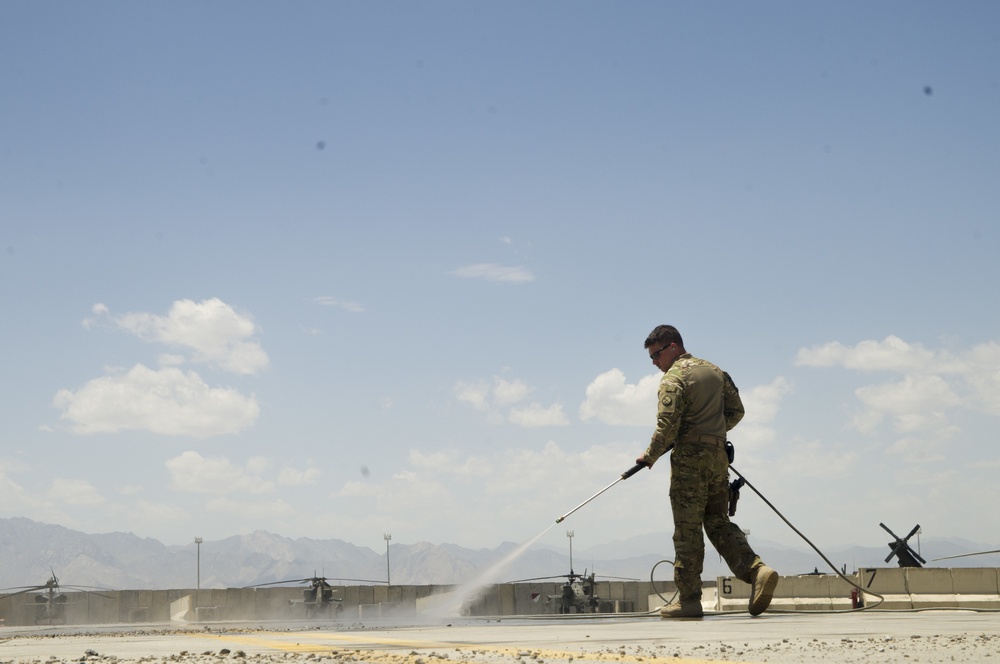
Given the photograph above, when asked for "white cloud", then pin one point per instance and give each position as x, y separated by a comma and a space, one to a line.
982, 373
167, 401
170, 360
890, 354
811, 459
524, 489
535, 415
75, 493
211, 328
294, 477
761, 404
346, 305
494, 272
916, 449
98, 310
14, 496
441, 460
916, 402
498, 403
192, 473
932, 389
612, 401
475, 394
450, 461
507, 392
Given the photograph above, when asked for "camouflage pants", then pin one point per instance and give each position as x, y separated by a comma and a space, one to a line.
699, 498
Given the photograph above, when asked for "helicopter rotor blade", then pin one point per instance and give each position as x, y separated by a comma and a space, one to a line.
620, 578
966, 555
319, 580
278, 583
886, 529
544, 578
91, 590
25, 589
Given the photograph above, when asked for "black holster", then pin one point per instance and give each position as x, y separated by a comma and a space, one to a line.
734, 494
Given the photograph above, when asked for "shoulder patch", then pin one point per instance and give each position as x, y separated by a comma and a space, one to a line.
668, 401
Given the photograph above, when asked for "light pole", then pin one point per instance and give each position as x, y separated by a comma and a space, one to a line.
387, 537
197, 541
569, 534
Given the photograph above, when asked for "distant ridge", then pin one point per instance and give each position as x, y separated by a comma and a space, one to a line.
32, 551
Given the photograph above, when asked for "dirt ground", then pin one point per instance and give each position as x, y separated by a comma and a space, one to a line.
884, 637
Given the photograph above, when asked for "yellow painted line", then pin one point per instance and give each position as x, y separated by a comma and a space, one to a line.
286, 643
291, 645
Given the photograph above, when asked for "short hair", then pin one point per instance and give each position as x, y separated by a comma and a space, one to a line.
664, 335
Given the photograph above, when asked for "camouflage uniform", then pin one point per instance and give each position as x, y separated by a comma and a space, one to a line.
698, 404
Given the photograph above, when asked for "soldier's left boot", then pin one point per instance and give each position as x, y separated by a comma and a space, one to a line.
765, 580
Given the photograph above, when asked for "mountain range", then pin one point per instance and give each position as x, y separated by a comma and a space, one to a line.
33, 551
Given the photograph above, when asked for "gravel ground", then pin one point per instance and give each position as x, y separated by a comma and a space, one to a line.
926, 637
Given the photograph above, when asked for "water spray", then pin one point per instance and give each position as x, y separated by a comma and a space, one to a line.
624, 476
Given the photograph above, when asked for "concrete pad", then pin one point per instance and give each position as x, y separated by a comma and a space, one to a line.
959, 636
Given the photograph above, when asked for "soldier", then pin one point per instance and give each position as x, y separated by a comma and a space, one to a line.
698, 404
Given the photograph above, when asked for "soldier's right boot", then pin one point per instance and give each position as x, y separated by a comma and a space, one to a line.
689, 608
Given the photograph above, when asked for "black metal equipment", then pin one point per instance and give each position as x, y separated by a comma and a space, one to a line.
904, 553
317, 598
578, 593
50, 600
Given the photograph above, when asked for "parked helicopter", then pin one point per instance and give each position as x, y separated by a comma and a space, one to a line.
578, 592
317, 598
50, 603
905, 555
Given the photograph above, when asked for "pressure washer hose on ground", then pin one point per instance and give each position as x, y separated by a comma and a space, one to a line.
639, 466
861, 591
865, 607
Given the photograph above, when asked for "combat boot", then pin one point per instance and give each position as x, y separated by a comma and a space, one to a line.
690, 608
764, 580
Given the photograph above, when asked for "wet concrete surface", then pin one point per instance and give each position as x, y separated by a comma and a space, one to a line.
924, 636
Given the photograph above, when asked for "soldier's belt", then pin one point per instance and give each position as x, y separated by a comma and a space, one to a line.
706, 439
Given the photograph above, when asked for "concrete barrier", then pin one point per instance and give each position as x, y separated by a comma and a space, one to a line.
903, 588
977, 587
180, 609
806, 592
922, 587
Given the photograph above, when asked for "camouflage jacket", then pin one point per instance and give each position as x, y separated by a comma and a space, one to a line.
695, 397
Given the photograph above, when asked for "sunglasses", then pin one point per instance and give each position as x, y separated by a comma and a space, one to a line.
656, 354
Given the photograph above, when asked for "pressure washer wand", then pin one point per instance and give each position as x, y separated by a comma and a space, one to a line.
624, 476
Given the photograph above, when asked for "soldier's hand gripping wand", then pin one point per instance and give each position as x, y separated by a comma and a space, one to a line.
624, 476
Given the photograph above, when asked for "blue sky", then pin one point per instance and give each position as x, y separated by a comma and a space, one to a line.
340, 269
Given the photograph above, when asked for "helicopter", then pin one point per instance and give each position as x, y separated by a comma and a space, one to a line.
50, 603
317, 598
578, 593
901, 548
